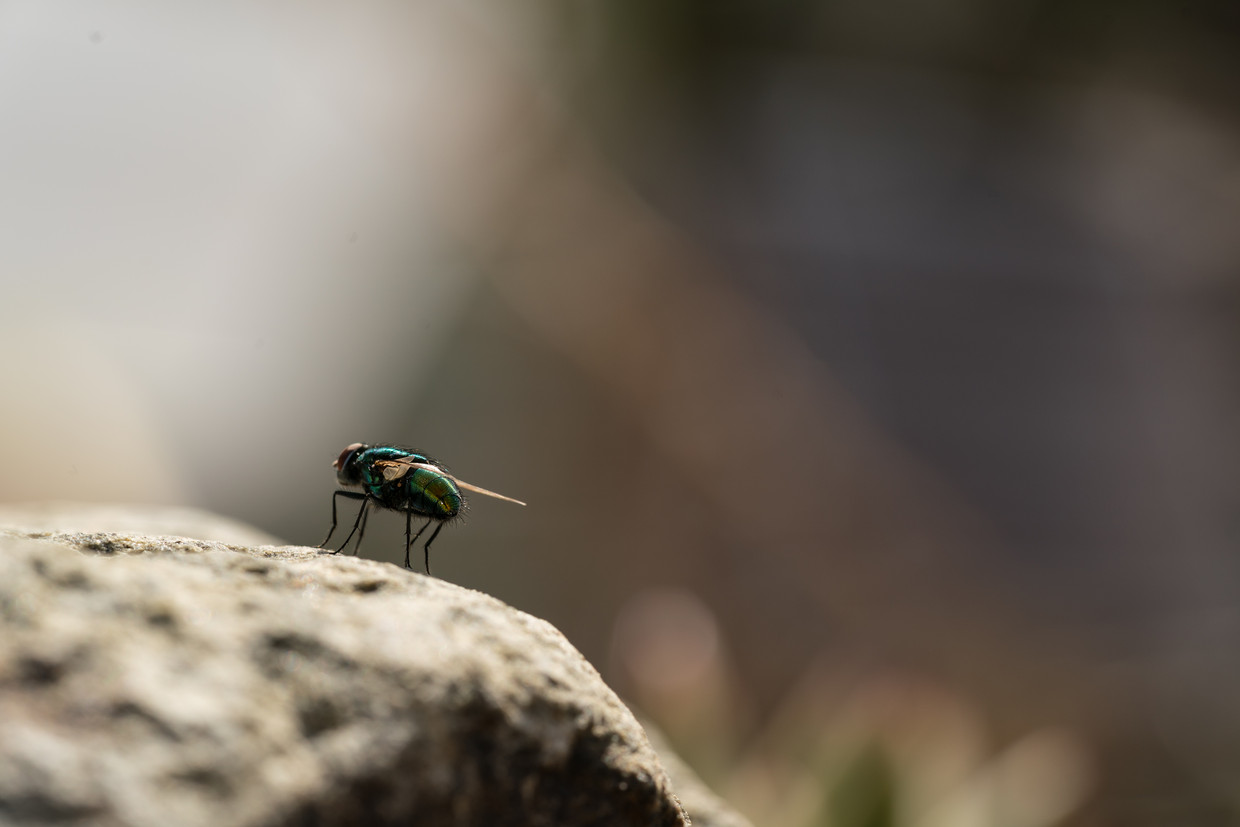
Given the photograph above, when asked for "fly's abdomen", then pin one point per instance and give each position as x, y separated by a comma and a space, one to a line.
434, 495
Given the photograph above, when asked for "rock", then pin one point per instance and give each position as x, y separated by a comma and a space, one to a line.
161, 680
119, 519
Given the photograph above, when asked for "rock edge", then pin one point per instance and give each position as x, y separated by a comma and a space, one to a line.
162, 679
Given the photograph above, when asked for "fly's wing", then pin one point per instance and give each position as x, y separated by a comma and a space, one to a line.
480, 490
394, 469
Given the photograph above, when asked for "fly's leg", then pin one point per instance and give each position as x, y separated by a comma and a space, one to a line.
357, 549
352, 495
427, 548
408, 525
360, 521
410, 541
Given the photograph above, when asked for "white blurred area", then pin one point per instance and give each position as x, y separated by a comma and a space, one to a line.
210, 216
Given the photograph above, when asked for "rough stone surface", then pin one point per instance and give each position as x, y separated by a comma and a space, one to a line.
158, 680
119, 519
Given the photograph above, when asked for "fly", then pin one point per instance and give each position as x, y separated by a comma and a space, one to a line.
400, 480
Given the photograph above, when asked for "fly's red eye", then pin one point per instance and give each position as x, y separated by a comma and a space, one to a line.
344, 455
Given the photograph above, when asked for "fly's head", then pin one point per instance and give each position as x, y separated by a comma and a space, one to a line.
348, 468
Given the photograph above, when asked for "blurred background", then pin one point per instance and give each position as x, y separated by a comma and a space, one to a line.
870, 368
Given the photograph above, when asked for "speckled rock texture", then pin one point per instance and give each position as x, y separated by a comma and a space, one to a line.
161, 680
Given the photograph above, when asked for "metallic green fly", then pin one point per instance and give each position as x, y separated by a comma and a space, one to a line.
400, 480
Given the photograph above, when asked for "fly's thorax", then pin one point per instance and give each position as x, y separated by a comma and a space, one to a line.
374, 465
